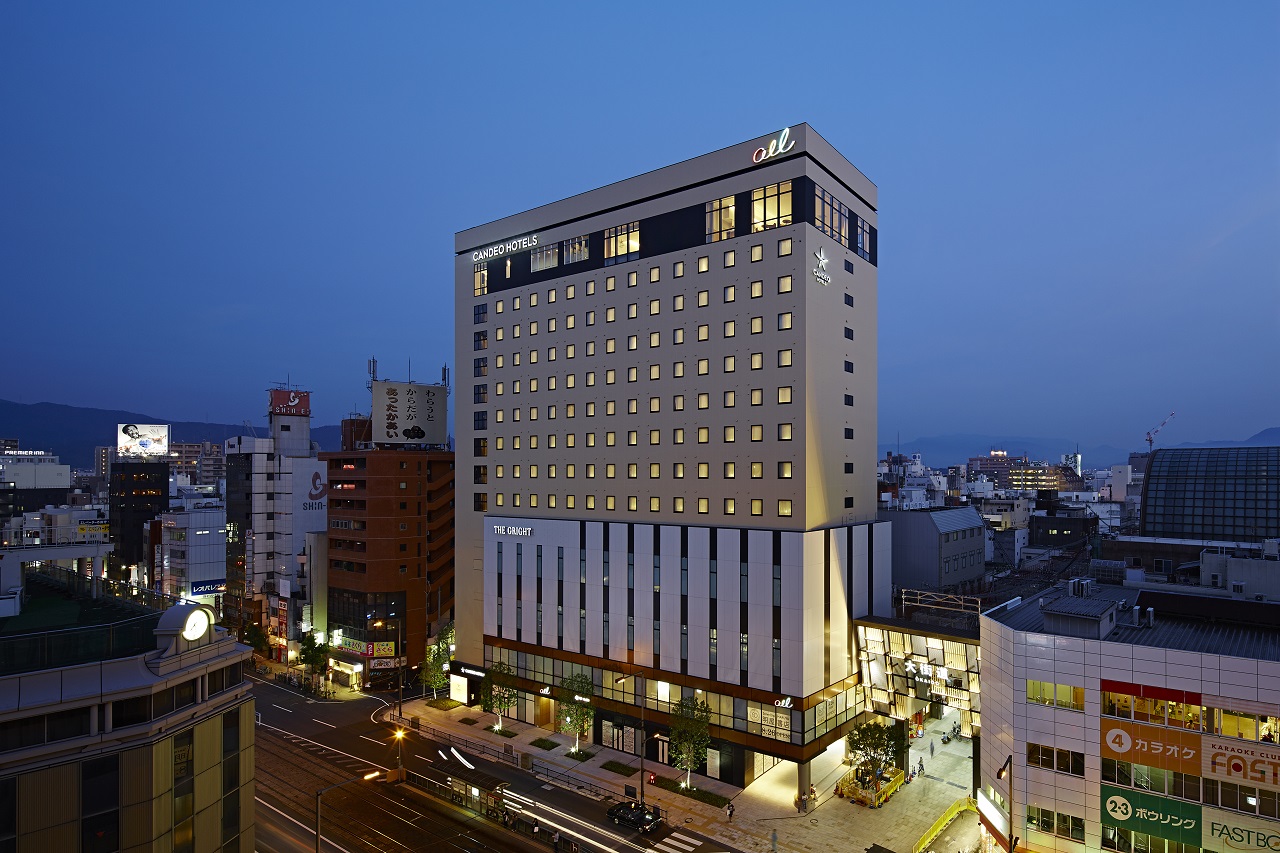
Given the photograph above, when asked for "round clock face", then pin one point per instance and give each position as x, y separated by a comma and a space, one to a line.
197, 623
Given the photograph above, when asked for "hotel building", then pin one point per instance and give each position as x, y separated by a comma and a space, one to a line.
1128, 719
671, 436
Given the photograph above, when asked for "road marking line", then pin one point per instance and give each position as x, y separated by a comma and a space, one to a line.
330, 748
662, 845
424, 758
686, 839
323, 723
291, 819
281, 707
670, 839
371, 740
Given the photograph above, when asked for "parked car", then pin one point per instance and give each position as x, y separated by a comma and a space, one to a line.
634, 815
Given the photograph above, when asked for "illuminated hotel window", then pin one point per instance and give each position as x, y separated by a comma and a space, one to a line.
677, 269
784, 508
784, 358
771, 206
544, 258
784, 284
720, 216
784, 247
757, 432
621, 243
729, 258
481, 274
654, 274
576, 249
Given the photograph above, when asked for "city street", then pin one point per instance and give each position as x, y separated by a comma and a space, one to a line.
344, 738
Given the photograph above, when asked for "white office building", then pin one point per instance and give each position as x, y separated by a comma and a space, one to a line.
276, 493
1134, 720
671, 428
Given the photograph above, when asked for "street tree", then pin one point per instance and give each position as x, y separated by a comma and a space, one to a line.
576, 710
313, 655
256, 637
690, 734
444, 638
498, 691
435, 669
871, 745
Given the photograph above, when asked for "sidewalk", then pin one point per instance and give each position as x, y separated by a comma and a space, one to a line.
340, 693
833, 825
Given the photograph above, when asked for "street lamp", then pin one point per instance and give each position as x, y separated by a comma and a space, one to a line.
399, 751
365, 778
399, 668
644, 735
1006, 771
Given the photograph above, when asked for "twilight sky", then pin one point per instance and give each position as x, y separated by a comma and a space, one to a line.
1080, 202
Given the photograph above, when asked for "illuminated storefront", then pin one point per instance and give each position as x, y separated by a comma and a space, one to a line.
912, 674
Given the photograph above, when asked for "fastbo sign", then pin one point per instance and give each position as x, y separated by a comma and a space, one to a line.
1226, 831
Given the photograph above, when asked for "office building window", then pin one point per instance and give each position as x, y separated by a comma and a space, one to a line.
479, 341
784, 509
481, 280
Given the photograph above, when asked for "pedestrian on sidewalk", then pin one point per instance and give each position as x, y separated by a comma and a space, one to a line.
536, 829
931, 743
555, 841
728, 809
922, 765
804, 802
813, 795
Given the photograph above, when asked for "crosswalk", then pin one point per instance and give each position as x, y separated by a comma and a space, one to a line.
677, 843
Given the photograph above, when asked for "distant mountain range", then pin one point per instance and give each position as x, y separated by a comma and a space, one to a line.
72, 432
940, 451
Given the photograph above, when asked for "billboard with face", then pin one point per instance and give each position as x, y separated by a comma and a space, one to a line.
405, 413
142, 439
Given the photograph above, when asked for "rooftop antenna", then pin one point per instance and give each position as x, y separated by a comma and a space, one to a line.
373, 372
410, 360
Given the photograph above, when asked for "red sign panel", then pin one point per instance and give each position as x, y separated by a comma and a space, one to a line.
285, 402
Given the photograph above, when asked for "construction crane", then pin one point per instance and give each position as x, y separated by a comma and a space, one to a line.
1151, 436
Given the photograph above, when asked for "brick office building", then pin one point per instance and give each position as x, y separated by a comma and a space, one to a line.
390, 565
